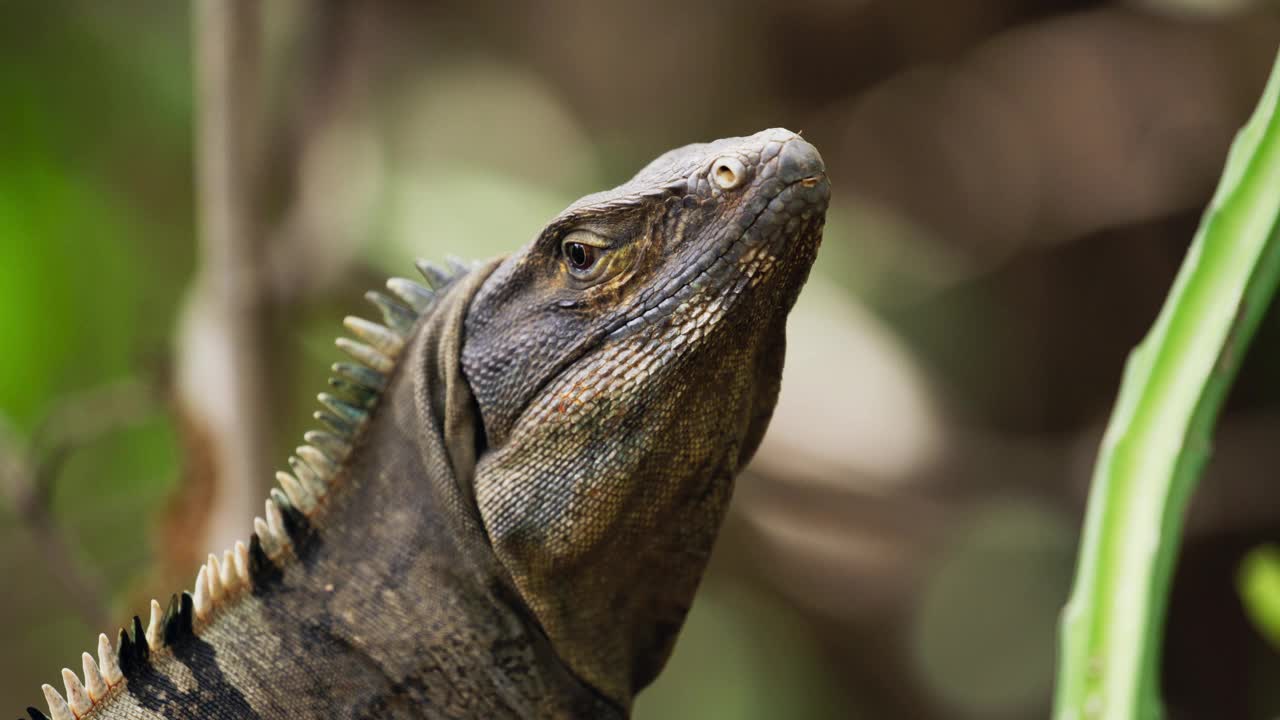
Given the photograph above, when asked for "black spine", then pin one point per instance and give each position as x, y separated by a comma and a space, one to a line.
178, 619
297, 526
262, 572
125, 655
140, 645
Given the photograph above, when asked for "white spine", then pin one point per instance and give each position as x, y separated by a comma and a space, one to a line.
202, 595
107, 661
77, 696
241, 557
93, 681
275, 523
269, 545
58, 708
229, 579
155, 634
216, 591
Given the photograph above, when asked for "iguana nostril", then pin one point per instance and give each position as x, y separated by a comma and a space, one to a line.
728, 172
799, 161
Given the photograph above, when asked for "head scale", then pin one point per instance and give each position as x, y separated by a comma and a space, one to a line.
625, 364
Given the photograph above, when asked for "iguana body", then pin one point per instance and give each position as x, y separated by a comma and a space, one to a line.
517, 528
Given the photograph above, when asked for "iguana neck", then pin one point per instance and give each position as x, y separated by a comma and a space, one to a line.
416, 588
382, 601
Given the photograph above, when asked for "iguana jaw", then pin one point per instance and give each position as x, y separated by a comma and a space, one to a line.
617, 425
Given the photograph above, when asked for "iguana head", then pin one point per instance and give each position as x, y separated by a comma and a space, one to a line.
625, 364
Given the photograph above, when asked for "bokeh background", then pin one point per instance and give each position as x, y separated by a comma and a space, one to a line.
191, 196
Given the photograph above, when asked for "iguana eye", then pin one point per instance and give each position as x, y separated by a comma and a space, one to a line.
580, 256
587, 256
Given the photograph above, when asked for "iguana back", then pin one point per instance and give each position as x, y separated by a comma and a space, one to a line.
522, 475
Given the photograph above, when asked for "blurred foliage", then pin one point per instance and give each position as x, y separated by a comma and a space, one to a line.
928, 591
769, 671
1259, 583
95, 249
95, 232
1024, 549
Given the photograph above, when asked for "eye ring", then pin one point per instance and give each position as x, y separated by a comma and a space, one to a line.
728, 172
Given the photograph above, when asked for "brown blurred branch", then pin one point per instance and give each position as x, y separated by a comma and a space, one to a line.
322, 158
222, 374
29, 471
252, 265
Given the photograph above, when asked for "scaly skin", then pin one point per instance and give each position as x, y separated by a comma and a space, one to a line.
518, 528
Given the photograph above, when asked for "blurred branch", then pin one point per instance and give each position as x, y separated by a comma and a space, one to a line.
80, 419
322, 156
251, 266
222, 372
1198, 8
1055, 130
28, 473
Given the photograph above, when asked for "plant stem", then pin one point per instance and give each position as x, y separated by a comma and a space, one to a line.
1160, 433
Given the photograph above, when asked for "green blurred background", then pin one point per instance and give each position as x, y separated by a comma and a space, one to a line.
1014, 183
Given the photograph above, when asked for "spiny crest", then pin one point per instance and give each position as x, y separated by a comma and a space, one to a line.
357, 387
99, 678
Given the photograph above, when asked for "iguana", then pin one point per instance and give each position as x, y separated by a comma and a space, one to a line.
521, 477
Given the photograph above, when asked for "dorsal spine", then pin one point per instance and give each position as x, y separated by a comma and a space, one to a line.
302, 492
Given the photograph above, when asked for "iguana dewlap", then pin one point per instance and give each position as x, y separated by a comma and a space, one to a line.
521, 478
